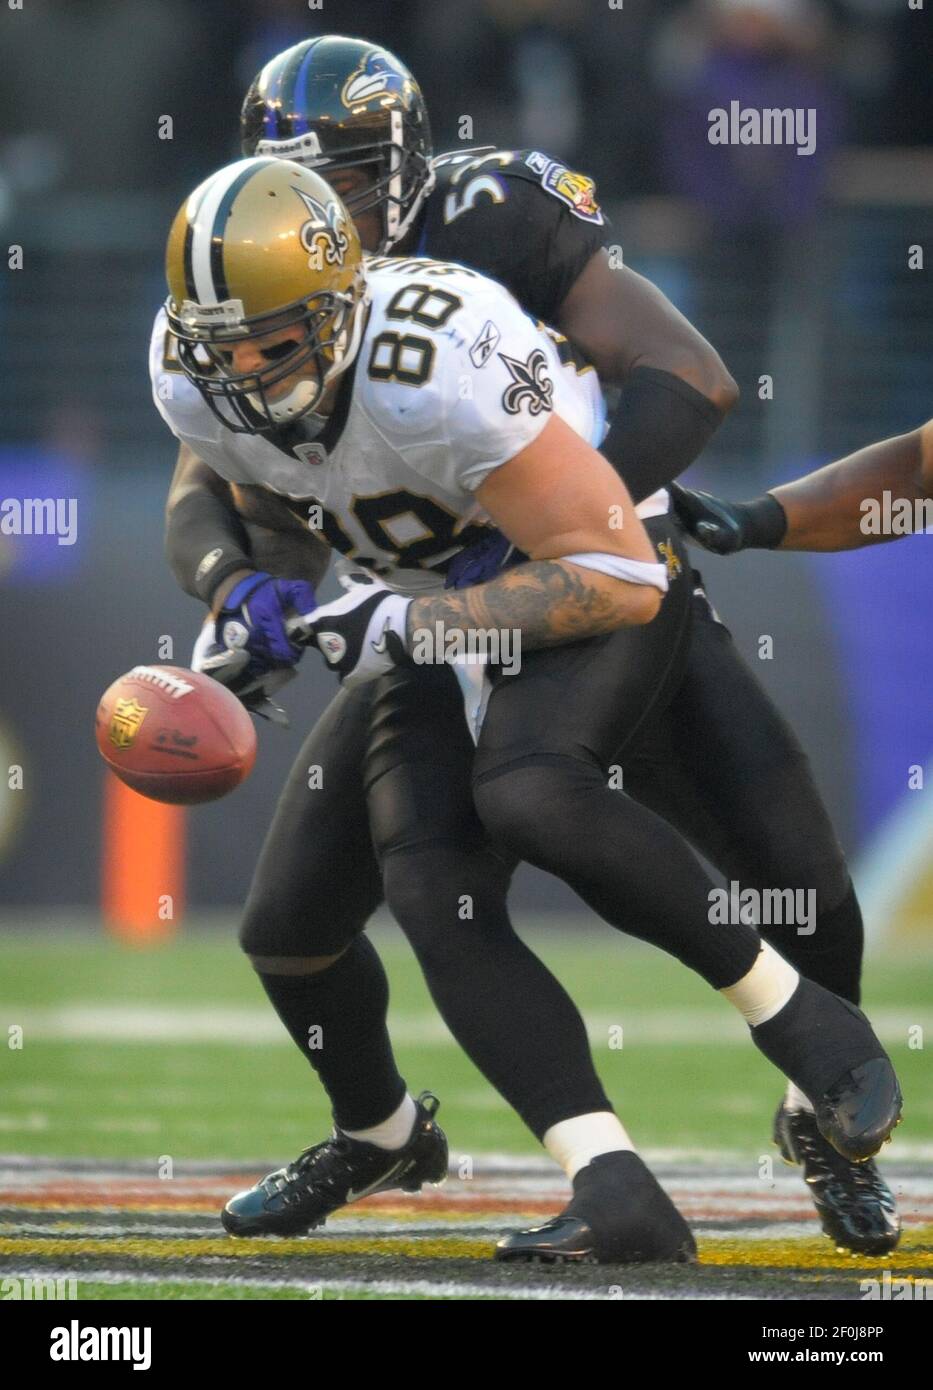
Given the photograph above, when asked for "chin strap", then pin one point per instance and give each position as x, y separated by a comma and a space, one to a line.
294, 407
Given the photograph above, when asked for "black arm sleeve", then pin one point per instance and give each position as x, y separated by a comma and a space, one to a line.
205, 541
657, 429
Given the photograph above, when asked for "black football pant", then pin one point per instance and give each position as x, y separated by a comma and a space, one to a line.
723, 766
317, 882
406, 742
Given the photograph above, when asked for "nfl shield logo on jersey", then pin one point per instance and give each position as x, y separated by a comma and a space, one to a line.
333, 646
310, 452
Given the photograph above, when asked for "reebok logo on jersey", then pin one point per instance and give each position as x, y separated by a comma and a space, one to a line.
482, 349
538, 163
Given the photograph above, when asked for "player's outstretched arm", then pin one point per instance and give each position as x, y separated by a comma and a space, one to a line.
836, 507
840, 507
249, 528
561, 503
675, 389
262, 568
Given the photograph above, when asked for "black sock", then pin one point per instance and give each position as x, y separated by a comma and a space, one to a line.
349, 1048
815, 1039
831, 955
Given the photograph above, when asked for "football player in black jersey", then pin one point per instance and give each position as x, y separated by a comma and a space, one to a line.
718, 743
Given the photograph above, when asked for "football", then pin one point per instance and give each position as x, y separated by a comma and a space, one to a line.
175, 735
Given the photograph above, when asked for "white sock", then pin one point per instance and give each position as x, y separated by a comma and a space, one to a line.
573, 1143
393, 1133
766, 988
794, 1099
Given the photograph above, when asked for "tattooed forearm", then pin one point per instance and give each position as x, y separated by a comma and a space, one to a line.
548, 601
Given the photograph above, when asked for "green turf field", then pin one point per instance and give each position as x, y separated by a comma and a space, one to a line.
131, 1053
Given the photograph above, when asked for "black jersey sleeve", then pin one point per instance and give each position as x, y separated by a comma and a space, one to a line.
520, 217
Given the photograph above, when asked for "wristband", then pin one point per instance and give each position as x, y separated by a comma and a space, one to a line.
764, 522
619, 567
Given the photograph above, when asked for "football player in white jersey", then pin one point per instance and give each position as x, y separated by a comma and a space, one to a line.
276, 349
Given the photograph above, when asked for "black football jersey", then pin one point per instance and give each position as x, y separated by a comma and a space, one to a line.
518, 216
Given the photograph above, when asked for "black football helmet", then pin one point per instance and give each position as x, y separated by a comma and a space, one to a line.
344, 102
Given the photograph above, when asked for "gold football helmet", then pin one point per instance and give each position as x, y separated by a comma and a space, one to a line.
262, 246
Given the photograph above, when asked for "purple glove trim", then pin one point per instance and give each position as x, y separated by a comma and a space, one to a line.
259, 605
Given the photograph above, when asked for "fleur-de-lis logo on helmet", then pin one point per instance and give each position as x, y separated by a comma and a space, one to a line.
323, 236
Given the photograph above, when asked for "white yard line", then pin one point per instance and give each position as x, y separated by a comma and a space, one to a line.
436, 1288
93, 1021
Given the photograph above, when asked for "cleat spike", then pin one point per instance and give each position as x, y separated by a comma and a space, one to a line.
856, 1208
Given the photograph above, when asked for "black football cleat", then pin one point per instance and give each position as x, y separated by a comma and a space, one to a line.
858, 1113
855, 1205
295, 1199
826, 1046
619, 1214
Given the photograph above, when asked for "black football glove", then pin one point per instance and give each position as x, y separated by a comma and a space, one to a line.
726, 527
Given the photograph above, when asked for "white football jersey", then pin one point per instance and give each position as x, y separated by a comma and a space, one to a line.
451, 381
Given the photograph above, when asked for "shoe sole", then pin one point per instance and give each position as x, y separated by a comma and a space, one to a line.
842, 1248
247, 1230
532, 1257
854, 1157
534, 1253
584, 1257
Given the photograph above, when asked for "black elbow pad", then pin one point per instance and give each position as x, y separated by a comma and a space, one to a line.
205, 541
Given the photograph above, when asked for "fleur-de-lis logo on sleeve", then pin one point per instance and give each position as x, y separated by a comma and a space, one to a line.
530, 386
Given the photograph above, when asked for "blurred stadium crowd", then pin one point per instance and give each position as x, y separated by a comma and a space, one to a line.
622, 92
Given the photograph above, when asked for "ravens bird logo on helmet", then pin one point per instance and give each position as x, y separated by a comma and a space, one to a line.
339, 103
